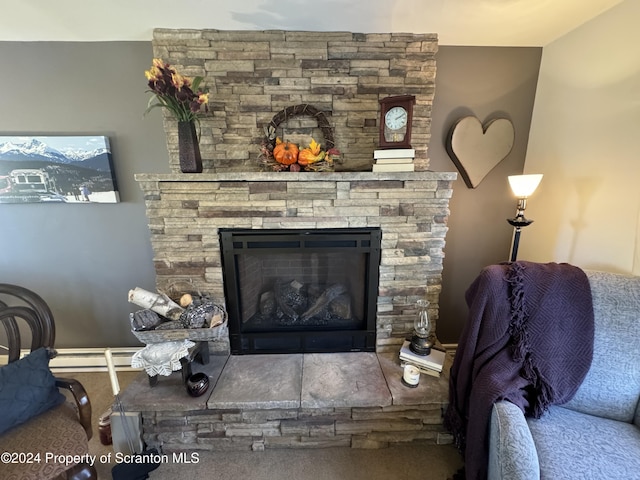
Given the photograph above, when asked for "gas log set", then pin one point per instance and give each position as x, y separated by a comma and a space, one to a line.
293, 303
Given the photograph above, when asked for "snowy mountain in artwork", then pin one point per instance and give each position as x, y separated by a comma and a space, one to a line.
80, 155
34, 149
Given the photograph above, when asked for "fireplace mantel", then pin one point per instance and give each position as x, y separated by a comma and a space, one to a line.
296, 176
185, 212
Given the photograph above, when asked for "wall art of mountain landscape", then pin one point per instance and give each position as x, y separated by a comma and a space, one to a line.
56, 169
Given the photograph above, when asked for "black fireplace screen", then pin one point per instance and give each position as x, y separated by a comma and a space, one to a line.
301, 290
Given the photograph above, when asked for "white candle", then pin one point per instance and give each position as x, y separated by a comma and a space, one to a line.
115, 386
411, 375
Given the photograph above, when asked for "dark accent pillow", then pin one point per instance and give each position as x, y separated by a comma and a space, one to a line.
27, 389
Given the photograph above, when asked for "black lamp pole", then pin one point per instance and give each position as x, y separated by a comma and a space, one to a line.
518, 222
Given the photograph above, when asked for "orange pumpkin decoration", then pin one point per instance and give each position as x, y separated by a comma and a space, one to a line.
286, 153
306, 157
311, 154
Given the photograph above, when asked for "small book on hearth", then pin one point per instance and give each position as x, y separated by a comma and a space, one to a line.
433, 361
394, 153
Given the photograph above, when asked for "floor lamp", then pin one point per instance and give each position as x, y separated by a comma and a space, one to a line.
522, 186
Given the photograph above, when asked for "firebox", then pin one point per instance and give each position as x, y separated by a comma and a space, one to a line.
295, 291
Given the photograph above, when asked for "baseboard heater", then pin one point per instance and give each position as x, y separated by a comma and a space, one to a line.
92, 359
86, 359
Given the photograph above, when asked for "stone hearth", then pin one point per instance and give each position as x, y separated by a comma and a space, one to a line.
186, 211
292, 401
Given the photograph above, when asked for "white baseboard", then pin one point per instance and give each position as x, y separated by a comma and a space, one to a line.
86, 359
450, 347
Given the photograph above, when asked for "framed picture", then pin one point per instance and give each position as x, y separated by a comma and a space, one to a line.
56, 169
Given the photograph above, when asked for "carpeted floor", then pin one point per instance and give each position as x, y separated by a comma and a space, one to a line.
98, 388
424, 462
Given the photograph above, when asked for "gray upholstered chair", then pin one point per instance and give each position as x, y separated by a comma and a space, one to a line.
38, 426
596, 434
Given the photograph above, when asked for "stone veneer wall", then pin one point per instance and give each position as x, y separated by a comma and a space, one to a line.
252, 75
185, 212
238, 429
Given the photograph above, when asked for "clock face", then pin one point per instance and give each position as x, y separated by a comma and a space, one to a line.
396, 118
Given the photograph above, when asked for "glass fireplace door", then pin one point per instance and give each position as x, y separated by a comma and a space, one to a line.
301, 290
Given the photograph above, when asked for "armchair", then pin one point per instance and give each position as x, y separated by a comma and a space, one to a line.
46, 435
597, 433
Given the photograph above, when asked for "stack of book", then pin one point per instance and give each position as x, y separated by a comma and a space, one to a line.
394, 160
428, 364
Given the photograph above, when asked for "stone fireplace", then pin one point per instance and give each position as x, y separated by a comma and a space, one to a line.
186, 213
254, 76
301, 400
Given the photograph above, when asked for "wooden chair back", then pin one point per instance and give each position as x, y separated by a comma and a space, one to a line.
20, 302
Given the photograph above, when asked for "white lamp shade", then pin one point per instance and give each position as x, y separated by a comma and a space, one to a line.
524, 185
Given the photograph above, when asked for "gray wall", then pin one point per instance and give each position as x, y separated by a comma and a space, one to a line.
488, 83
83, 259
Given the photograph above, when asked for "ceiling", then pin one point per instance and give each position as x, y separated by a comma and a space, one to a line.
457, 22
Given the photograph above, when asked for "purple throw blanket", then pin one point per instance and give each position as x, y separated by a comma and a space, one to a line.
528, 339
